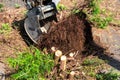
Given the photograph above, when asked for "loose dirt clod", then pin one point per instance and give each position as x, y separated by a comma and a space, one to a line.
67, 36
71, 76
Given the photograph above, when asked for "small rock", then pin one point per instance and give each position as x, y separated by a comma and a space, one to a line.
2, 71
103, 71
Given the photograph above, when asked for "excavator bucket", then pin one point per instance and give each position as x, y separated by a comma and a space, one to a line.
39, 18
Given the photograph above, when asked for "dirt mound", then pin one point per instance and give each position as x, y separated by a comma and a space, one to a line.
68, 35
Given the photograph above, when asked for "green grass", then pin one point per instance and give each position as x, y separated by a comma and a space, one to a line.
31, 66
101, 22
108, 76
1, 7
98, 16
95, 15
5, 29
61, 7
17, 6
90, 66
94, 5
75, 11
93, 62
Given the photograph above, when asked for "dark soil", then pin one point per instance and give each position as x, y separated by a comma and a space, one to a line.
68, 35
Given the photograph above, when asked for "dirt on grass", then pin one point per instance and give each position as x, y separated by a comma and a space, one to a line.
11, 42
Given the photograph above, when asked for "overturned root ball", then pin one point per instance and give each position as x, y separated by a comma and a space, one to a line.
67, 36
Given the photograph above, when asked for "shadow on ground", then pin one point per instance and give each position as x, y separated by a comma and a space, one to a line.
98, 50
19, 25
111, 61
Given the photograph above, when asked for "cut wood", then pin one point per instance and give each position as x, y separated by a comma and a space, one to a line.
58, 54
71, 55
63, 63
71, 76
62, 76
53, 49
